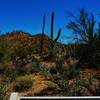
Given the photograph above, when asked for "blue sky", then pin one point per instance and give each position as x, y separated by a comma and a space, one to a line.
27, 15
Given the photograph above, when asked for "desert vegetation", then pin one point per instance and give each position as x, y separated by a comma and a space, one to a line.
39, 65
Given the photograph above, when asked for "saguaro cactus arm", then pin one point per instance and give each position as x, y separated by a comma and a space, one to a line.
59, 33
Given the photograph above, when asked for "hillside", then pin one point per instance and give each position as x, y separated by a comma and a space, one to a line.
24, 70
20, 37
22, 40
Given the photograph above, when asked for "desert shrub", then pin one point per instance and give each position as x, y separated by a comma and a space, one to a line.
87, 36
24, 82
73, 72
19, 52
2, 69
1, 56
10, 73
78, 87
84, 82
59, 64
60, 74
53, 70
26, 65
64, 75
31, 67
3, 92
68, 71
45, 69
2, 53
75, 90
89, 53
97, 92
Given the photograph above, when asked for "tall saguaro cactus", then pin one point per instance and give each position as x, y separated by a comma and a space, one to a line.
52, 32
42, 38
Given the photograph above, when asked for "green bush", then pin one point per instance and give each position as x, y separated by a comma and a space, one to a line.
89, 53
87, 35
73, 72
45, 69
18, 52
11, 73
3, 92
24, 82
75, 90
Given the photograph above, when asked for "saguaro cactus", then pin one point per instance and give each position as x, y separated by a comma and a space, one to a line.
52, 32
42, 38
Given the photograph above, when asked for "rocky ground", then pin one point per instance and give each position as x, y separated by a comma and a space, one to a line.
86, 84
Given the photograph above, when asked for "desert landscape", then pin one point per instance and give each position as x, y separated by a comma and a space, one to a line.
39, 65
45, 64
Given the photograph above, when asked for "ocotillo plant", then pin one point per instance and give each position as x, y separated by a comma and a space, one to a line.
42, 38
52, 33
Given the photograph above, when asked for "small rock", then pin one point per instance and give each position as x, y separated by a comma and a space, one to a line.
28, 67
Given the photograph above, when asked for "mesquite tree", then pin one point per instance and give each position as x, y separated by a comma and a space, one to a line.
88, 36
